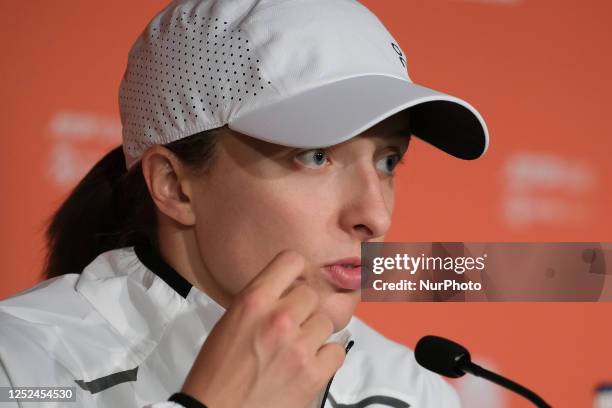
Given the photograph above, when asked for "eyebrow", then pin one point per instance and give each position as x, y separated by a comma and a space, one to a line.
393, 141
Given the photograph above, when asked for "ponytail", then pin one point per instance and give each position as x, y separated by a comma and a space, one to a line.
111, 207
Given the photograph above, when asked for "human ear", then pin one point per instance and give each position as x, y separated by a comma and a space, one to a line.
168, 184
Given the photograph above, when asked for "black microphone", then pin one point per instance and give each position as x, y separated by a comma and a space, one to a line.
450, 359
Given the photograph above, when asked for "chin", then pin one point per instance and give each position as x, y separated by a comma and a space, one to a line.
340, 306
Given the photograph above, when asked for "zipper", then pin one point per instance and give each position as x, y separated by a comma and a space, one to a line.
346, 350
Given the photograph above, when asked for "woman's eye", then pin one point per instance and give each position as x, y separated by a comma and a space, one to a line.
314, 159
389, 162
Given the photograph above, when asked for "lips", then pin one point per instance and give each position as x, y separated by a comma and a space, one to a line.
344, 273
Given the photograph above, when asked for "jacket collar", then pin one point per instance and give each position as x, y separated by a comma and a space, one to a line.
149, 258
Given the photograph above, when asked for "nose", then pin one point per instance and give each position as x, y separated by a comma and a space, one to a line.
369, 204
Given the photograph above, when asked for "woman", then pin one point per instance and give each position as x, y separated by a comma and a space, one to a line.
213, 258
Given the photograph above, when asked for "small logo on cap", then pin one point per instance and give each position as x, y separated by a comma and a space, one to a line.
399, 52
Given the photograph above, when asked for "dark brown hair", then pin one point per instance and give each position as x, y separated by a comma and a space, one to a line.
112, 208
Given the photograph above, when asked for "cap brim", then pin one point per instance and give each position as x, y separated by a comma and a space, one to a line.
337, 111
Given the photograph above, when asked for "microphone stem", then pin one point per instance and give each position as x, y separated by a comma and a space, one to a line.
504, 382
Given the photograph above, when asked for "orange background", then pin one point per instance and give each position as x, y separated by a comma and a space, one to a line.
538, 71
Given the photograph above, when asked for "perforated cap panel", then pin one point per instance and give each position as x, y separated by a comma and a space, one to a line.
182, 73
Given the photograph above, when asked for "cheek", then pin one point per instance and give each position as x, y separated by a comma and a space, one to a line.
241, 230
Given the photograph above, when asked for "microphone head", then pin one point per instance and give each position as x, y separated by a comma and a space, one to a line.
441, 356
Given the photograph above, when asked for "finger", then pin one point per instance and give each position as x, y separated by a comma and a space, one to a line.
330, 358
300, 302
316, 330
279, 274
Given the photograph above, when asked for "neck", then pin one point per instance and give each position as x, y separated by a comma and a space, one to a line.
179, 248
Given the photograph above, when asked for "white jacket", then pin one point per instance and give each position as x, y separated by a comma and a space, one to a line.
126, 331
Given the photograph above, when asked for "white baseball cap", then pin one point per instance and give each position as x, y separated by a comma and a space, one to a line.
300, 73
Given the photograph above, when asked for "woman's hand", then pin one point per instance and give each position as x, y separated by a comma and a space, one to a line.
268, 349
